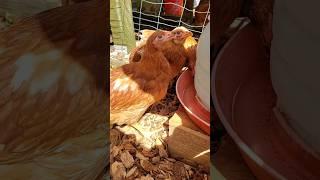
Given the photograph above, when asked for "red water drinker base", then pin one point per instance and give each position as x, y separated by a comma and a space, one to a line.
187, 96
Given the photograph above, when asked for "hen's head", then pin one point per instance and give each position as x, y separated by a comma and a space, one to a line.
180, 34
159, 40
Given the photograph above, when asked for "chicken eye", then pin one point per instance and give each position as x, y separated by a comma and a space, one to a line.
178, 32
160, 37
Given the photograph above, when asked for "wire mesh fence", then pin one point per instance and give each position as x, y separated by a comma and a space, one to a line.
160, 14
153, 15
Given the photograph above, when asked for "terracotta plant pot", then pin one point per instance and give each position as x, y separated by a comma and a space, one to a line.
244, 100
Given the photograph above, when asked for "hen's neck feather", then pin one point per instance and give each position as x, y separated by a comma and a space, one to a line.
152, 65
174, 51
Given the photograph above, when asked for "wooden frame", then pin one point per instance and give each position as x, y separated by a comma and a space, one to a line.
187, 142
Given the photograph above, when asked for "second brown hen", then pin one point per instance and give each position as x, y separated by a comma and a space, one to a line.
177, 54
181, 49
136, 86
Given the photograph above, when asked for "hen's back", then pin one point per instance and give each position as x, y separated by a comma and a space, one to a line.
52, 83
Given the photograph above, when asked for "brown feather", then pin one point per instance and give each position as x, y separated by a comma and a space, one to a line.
136, 86
176, 53
53, 84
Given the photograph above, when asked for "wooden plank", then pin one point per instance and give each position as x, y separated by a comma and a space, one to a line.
121, 11
187, 143
181, 118
229, 163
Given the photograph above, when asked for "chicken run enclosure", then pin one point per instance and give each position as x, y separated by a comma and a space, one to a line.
148, 139
128, 17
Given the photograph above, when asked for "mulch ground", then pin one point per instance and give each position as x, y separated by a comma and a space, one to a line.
139, 151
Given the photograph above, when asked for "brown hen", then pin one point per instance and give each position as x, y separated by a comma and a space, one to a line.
180, 52
136, 86
136, 53
53, 95
181, 49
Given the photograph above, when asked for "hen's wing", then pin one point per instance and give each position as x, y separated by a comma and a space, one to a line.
129, 98
126, 93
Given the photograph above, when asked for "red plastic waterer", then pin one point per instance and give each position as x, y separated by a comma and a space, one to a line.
194, 91
186, 93
174, 9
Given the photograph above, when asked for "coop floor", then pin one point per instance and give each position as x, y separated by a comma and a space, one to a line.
140, 150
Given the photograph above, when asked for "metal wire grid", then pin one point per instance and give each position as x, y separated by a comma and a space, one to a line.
181, 23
